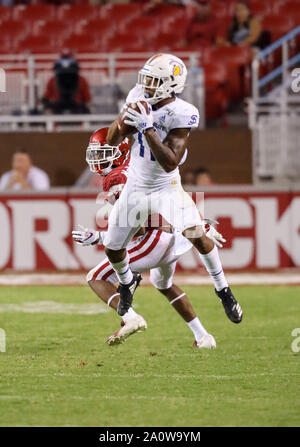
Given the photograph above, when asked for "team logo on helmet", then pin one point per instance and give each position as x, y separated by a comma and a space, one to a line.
177, 68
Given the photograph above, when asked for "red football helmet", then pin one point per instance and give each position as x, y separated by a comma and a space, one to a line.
101, 157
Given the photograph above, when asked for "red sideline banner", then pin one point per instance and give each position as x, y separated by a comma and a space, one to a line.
262, 230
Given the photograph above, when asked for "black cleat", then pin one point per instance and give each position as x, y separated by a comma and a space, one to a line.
232, 308
126, 292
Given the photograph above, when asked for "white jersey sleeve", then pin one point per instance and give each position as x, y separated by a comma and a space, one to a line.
135, 94
186, 117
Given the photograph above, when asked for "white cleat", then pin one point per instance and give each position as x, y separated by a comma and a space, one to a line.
132, 325
207, 341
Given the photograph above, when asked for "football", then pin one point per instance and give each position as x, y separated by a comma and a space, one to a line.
125, 129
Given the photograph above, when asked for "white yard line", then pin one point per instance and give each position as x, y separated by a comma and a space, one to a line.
78, 279
159, 376
55, 307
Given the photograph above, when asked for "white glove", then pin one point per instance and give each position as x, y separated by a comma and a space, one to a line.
212, 233
86, 236
142, 121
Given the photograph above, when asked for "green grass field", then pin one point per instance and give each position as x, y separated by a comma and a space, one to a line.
58, 371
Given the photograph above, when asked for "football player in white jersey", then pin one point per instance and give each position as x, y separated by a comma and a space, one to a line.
154, 249
159, 146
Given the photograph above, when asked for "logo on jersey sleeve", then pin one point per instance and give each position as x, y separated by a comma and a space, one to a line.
193, 120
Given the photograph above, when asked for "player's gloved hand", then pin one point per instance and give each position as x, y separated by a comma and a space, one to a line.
86, 236
142, 121
211, 232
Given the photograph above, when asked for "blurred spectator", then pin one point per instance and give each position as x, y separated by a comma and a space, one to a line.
203, 177
245, 29
189, 178
204, 26
67, 91
24, 175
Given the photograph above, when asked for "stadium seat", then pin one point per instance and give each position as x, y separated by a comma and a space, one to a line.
162, 11
278, 25
166, 16
216, 98
146, 27
5, 13
167, 21
276, 5
190, 10
14, 30
215, 74
231, 6
82, 43
260, 9
125, 43
77, 13
178, 25
223, 25
203, 53
219, 8
57, 30
290, 8
290, 4
36, 44
100, 28
5, 45
236, 59
32, 13
165, 42
206, 54
121, 13
235, 55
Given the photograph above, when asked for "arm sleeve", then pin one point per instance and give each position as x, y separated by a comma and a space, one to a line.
40, 181
188, 118
4, 181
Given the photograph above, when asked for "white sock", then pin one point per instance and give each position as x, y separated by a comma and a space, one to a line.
123, 270
213, 265
197, 328
129, 314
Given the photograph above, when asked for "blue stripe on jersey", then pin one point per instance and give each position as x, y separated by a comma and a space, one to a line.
142, 147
